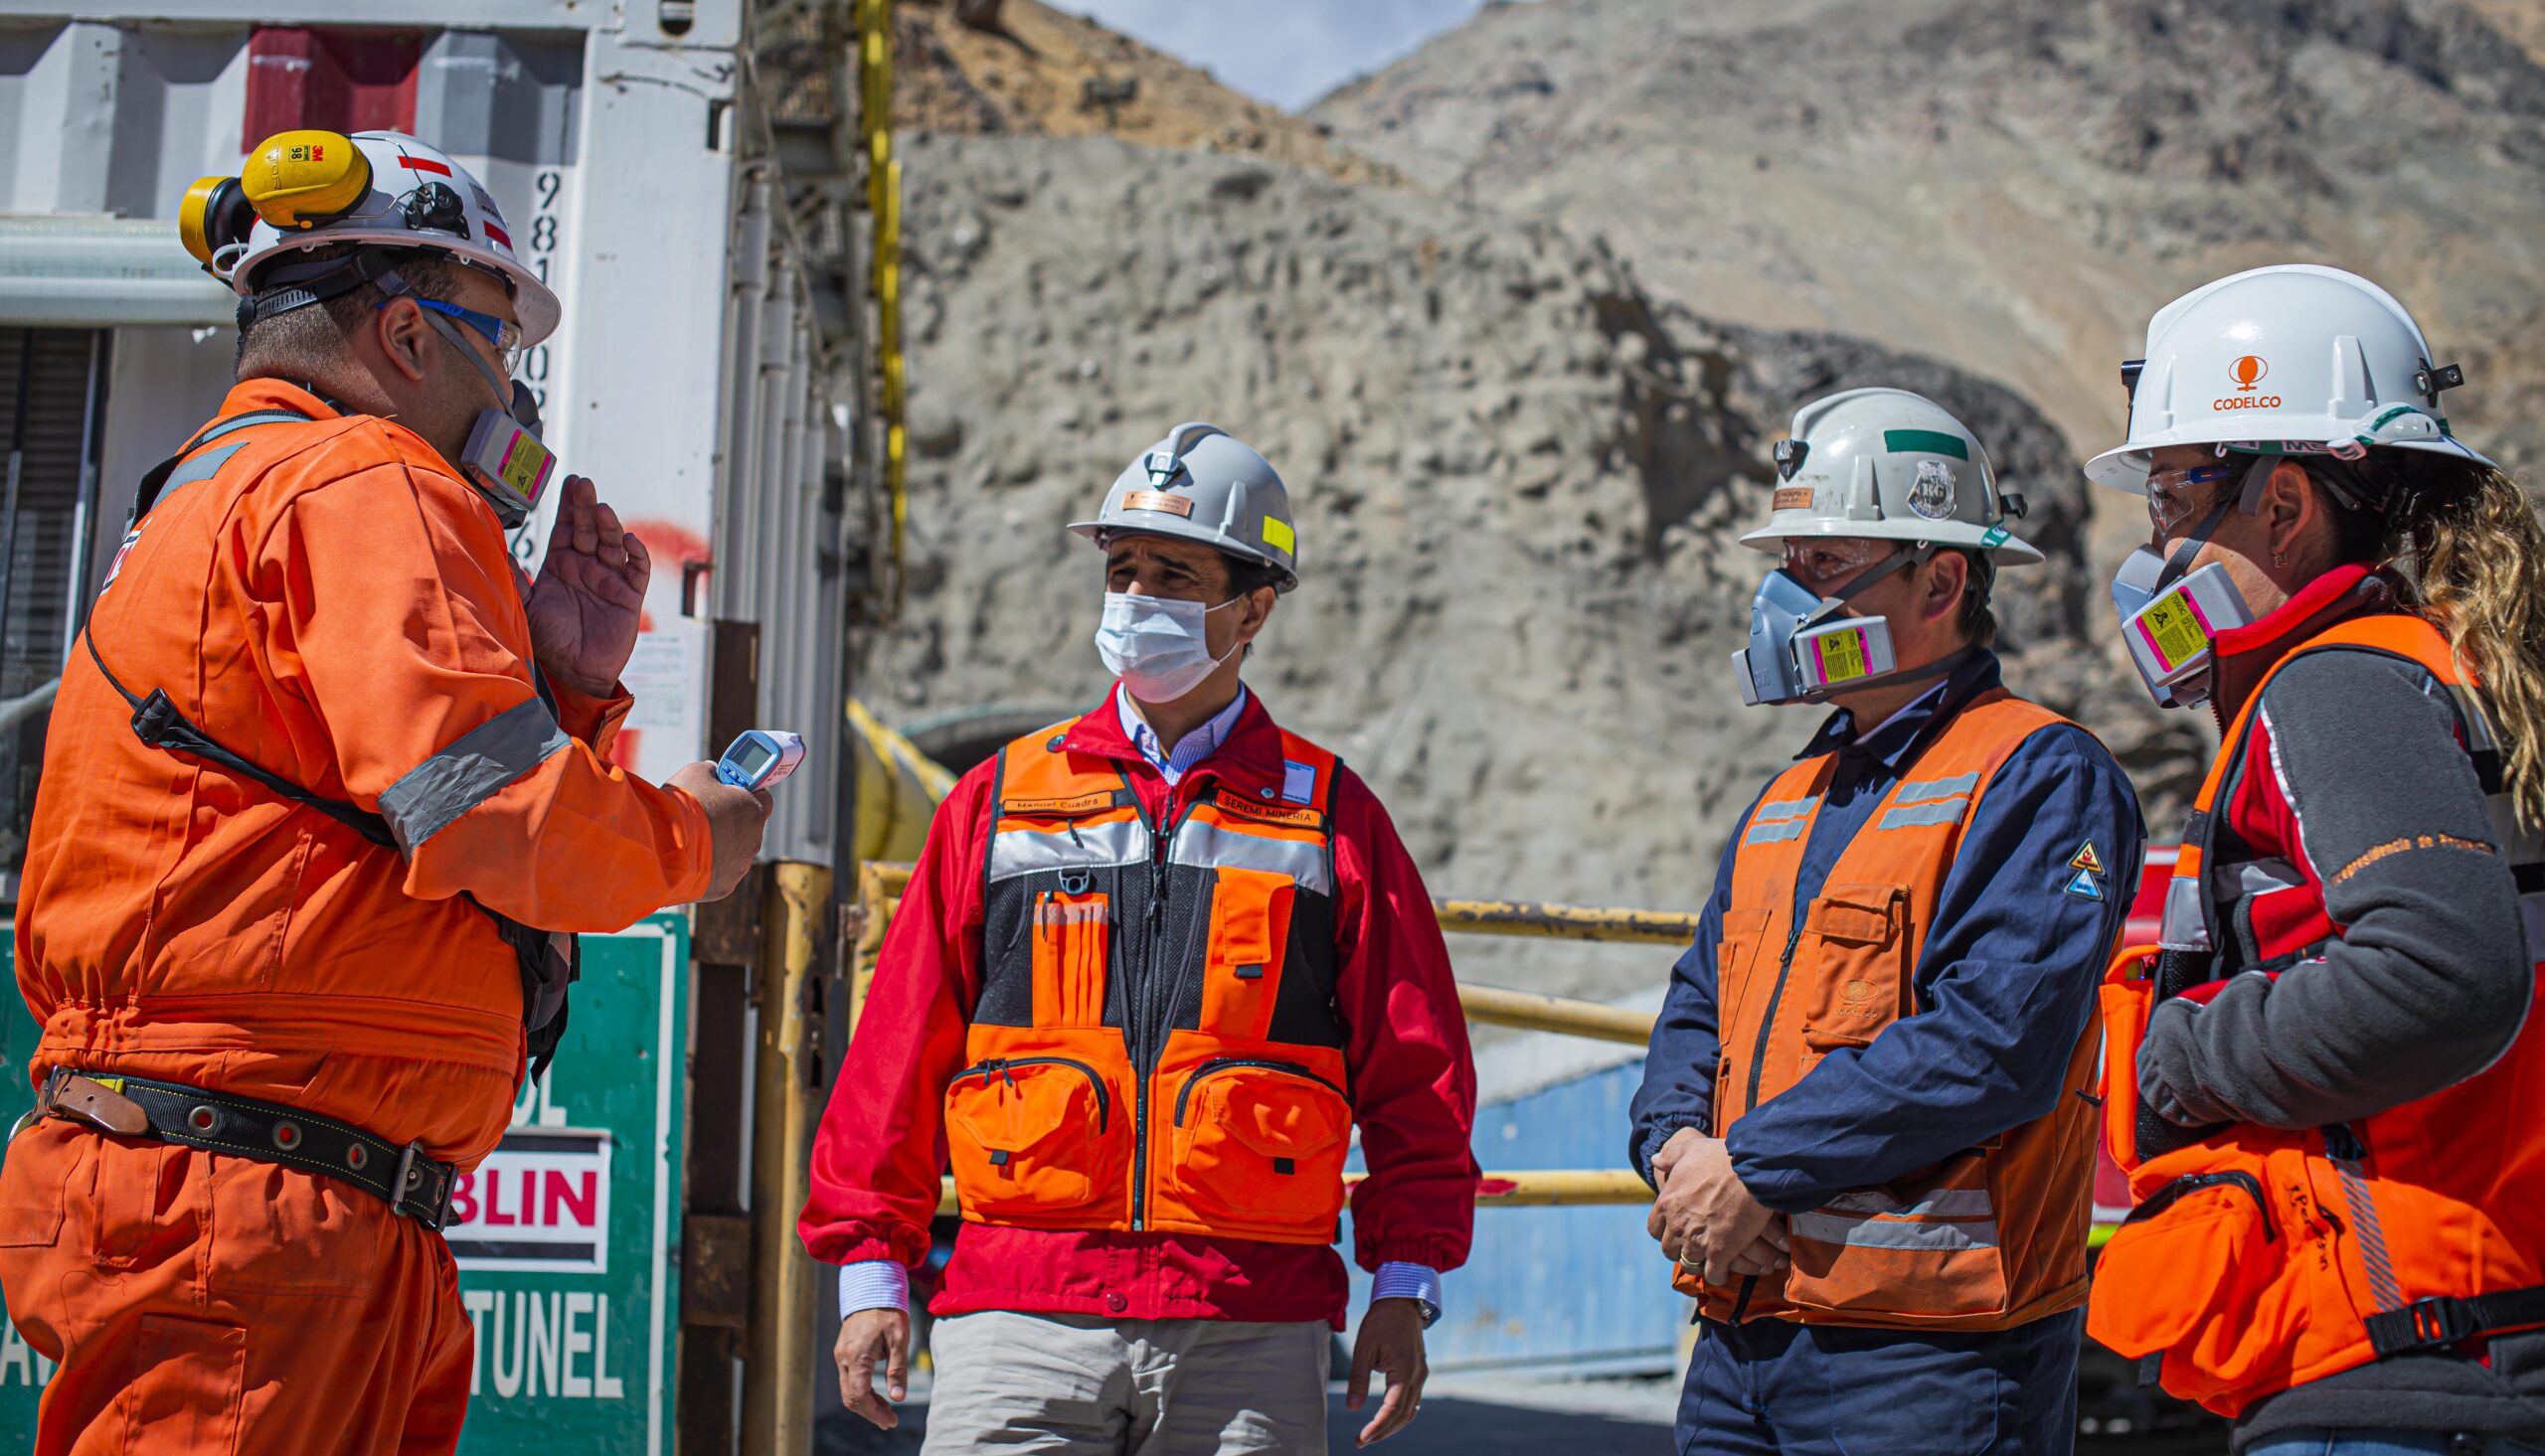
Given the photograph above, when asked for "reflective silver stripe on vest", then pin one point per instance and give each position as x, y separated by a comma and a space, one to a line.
1015, 851
1781, 820
470, 772
1895, 1234
1918, 816
2476, 719
2185, 927
201, 465
1947, 1203
1209, 847
2262, 876
1936, 788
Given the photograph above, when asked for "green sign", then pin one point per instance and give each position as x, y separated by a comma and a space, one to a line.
567, 1234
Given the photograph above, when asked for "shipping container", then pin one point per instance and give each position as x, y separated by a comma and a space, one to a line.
686, 174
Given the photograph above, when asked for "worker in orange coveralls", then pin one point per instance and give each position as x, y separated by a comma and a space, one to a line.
321, 788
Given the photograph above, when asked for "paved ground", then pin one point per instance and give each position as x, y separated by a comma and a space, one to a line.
1508, 1416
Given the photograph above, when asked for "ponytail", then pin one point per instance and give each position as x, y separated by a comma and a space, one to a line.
2481, 556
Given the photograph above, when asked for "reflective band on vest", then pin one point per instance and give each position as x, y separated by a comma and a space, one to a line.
1155, 1045
2260, 1259
1929, 1251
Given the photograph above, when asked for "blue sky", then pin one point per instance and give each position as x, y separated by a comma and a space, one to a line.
1287, 52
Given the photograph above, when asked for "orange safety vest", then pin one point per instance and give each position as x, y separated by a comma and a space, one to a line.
1155, 1043
1987, 1239
2258, 1259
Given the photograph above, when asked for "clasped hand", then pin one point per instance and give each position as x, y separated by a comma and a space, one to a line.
1706, 1219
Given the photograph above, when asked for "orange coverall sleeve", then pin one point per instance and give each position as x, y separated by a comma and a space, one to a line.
392, 599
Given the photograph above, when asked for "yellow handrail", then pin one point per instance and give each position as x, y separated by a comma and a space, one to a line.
1497, 1006
1564, 923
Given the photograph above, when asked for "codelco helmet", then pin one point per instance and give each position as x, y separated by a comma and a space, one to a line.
1202, 484
2290, 360
302, 191
1887, 465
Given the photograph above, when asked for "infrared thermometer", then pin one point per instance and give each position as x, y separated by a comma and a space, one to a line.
759, 759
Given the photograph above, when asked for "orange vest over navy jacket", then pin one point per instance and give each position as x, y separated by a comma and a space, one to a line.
2258, 1259
1156, 1046
1987, 1239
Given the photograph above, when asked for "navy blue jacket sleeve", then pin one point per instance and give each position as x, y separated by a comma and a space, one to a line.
2005, 985
1678, 1069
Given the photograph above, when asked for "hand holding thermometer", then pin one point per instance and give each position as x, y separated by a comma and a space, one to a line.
759, 759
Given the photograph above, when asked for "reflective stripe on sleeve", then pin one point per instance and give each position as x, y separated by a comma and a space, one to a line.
1015, 851
470, 772
1208, 846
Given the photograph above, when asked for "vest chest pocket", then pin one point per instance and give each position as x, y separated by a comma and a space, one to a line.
1260, 1143
1072, 932
1250, 938
1859, 961
1029, 1136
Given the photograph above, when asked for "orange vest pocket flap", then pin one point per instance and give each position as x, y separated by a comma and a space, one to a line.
1282, 1117
1856, 914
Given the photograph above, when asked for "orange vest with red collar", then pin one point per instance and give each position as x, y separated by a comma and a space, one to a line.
1989, 1238
1155, 1043
2260, 1259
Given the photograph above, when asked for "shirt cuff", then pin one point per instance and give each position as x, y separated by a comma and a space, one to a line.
874, 1284
1399, 1280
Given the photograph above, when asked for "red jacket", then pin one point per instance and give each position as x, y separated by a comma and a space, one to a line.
881, 1148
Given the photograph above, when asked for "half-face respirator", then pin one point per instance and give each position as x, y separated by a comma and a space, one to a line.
1802, 647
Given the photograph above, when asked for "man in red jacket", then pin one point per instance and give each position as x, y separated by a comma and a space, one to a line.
1152, 968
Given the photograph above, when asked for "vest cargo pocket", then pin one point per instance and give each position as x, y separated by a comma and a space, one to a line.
1028, 1136
1071, 936
2191, 1274
2128, 994
1859, 964
1260, 1144
1242, 967
1907, 1253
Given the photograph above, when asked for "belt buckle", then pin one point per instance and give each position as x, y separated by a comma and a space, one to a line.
434, 1213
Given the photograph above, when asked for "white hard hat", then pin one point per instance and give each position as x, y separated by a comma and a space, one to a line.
2296, 359
1888, 465
1203, 484
301, 191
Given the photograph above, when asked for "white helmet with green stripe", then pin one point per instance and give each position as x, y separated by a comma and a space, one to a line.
1887, 465
1203, 484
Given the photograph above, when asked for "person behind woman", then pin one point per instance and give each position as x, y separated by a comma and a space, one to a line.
2326, 1082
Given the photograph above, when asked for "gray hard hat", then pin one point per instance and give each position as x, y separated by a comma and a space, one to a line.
1203, 484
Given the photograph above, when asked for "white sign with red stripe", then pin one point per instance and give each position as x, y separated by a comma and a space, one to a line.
540, 1203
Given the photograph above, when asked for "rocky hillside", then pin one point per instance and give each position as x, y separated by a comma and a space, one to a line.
2011, 186
1517, 475
981, 68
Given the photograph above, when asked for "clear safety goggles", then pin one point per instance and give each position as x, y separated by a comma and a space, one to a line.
503, 333
1822, 560
2176, 496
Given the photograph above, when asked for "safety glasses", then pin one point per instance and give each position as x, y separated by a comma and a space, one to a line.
503, 333
2175, 495
1821, 561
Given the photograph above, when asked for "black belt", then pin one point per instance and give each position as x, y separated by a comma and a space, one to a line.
401, 1177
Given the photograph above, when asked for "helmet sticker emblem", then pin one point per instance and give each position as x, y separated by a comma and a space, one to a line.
1792, 498
1931, 494
2247, 371
1158, 500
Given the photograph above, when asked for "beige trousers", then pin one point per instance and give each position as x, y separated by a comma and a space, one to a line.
1093, 1387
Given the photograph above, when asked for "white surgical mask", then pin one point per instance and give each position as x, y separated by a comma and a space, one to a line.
1155, 645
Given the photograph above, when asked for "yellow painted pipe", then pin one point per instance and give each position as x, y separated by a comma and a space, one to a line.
1497, 1006
1564, 923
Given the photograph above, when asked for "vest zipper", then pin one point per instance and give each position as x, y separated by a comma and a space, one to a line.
1758, 1065
1144, 1014
1004, 1066
1218, 1065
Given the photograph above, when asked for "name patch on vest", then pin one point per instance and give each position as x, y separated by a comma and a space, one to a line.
1229, 803
1081, 804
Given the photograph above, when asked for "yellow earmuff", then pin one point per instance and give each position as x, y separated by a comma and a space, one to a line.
297, 180
213, 215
